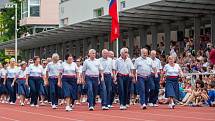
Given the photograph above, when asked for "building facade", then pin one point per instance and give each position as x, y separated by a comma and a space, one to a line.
74, 11
39, 15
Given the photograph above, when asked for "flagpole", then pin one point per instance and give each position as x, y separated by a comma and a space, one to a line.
117, 40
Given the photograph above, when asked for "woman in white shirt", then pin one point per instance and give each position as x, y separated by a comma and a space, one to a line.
11, 73
69, 72
3, 90
52, 73
172, 72
34, 79
21, 80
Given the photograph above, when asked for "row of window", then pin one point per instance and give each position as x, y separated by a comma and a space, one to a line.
100, 11
30, 8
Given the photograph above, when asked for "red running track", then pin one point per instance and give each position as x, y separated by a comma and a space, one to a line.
81, 113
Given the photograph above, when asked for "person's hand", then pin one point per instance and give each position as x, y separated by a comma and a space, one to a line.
134, 80
102, 78
26, 83
156, 75
12, 84
59, 84
46, 83
114, 80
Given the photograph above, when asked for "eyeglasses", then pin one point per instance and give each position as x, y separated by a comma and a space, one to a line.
126, 52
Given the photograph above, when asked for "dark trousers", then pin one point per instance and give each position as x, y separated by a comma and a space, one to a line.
11, 90
35, 84
53, 87
154, 89
123, 87
143, 89
107, 89
92, 86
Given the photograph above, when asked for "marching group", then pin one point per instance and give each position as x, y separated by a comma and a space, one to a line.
64, 81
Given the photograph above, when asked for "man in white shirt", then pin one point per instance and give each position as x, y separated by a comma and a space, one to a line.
144, 67
155, 80
106, 85
92, 68
124, 69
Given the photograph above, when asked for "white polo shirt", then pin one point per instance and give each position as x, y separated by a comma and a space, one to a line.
157, 64
53, 69
107, 65
69, 69
124, 66
11, 72
143, 66
22, 73
172, 70
2, 73
35, 71
92, 67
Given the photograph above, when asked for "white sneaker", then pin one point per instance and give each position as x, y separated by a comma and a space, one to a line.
127, 106
68, 108
54, 107
2, 101
32, 105
22, 104
77, 103
143, 106
110, 106
91, 109
150, 105
12, 103
105, 108
171, 106
42, 104
37, 106
156, 105
121, 107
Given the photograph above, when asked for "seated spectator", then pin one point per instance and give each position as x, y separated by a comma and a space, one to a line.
198, 95
211, 94
161, 96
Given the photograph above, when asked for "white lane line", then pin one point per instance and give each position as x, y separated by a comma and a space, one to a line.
70, 119
10, 119
174, 116
109, 116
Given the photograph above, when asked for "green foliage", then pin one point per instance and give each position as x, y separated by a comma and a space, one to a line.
7, 23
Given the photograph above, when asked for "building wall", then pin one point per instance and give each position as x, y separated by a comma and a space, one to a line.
49, 14
80, 10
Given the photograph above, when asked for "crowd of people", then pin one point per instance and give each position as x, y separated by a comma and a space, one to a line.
150, 79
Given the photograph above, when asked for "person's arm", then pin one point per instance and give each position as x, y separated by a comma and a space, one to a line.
14, 79
27, 79
5, 78
84, 70
180, 71
101, 71
135, 71
59, 77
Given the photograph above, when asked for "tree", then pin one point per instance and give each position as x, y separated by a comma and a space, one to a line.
7, 23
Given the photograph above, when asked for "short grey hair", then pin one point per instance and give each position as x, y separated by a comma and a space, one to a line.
153, 51
55, 55
92, 51
104, 50
143, 49
123, 50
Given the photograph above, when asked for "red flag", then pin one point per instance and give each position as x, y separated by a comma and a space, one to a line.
115, 20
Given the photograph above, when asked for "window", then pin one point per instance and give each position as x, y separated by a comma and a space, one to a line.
122, 4
34, 8
98, 12
65, 21
25, 9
